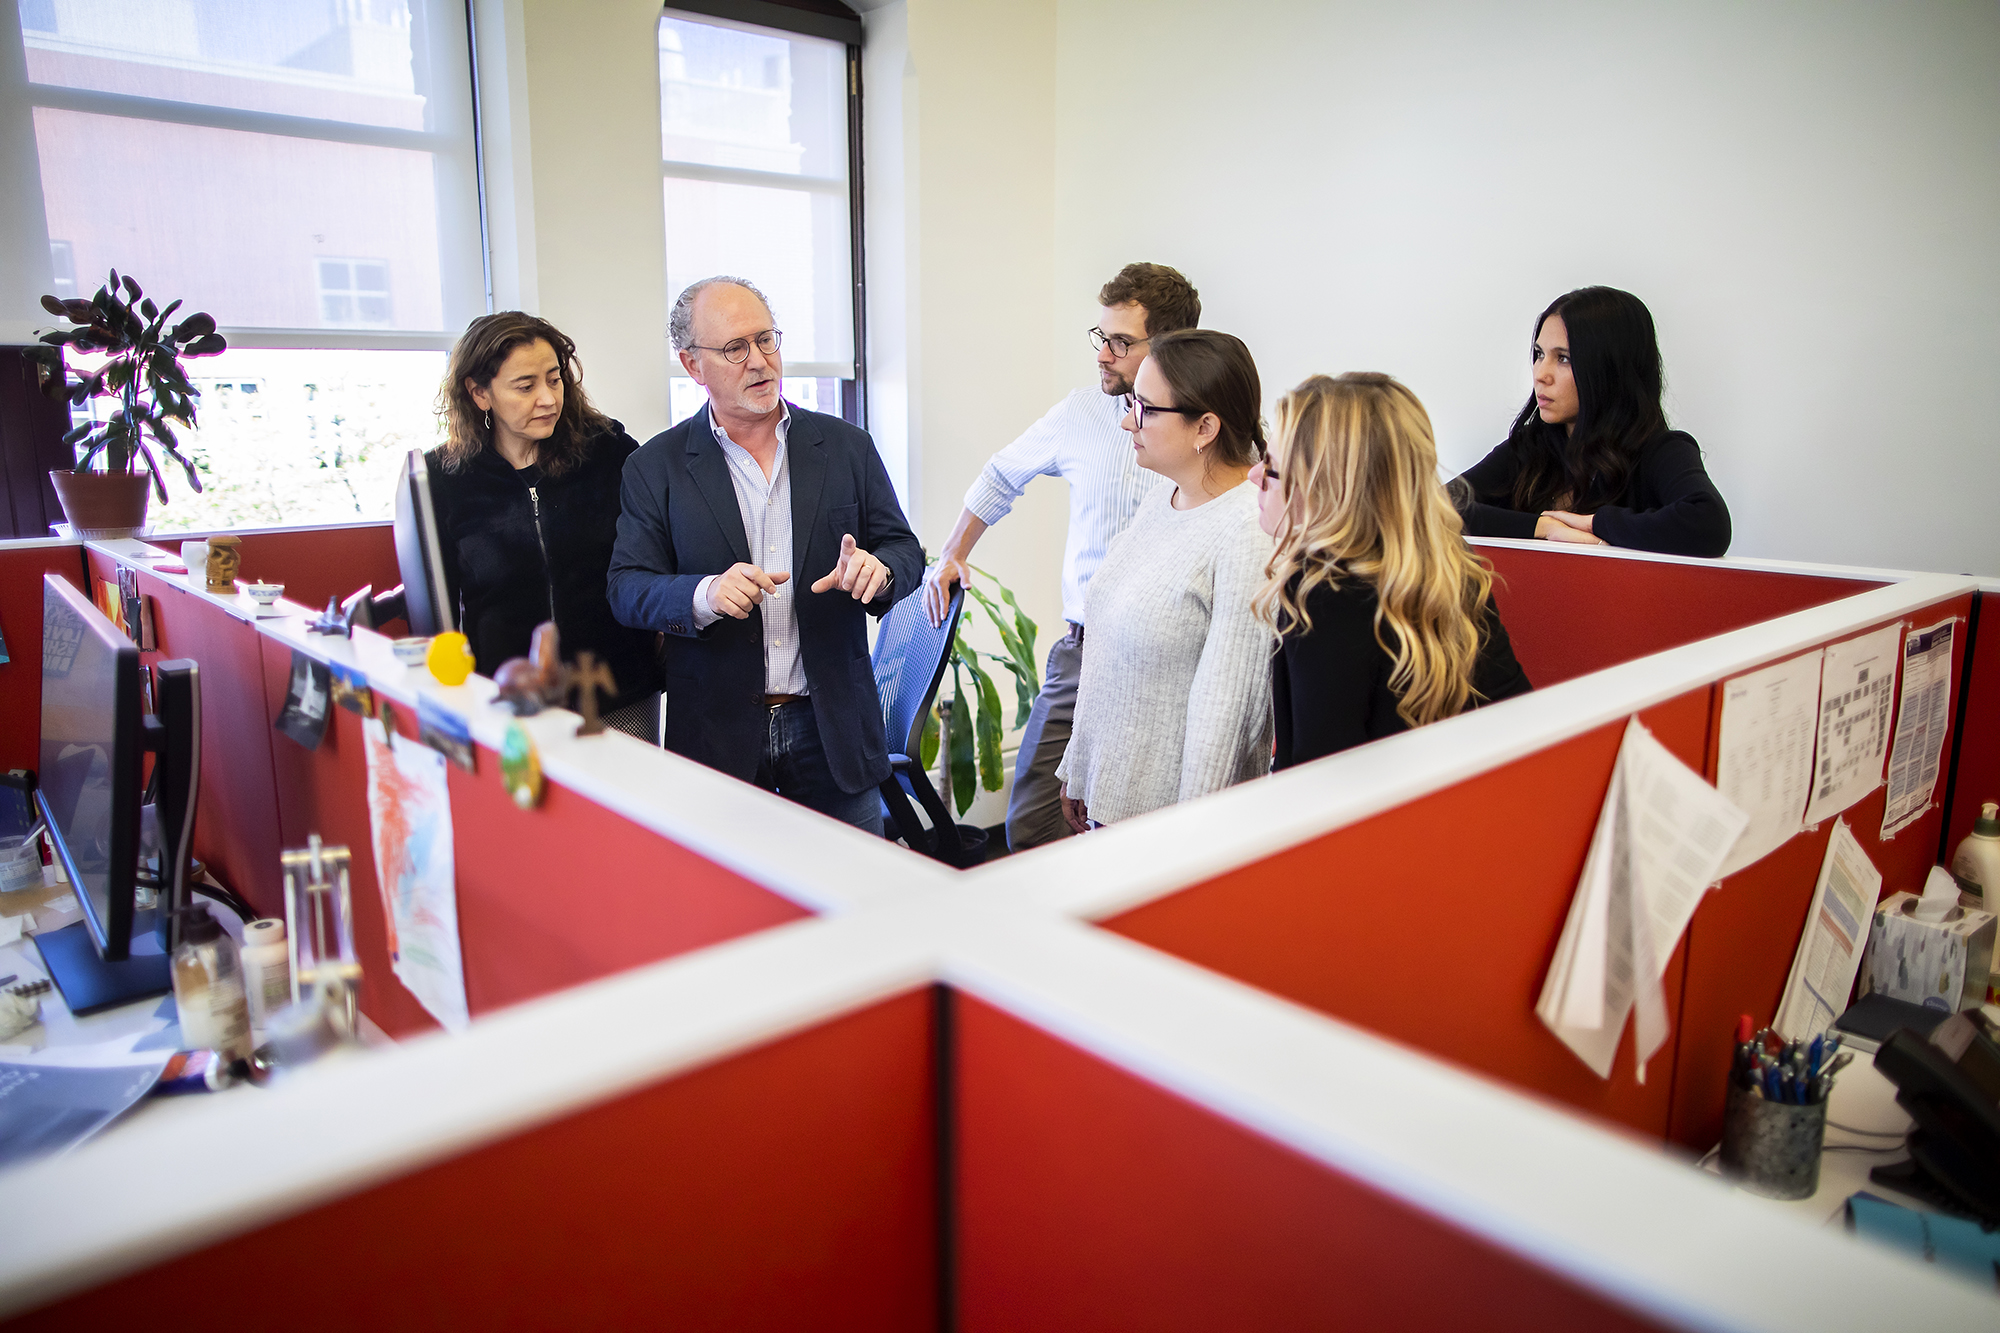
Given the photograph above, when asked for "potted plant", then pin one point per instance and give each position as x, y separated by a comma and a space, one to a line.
968, 725
144, 376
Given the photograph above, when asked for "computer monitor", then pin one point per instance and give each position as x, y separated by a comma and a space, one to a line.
424, 598
94, 736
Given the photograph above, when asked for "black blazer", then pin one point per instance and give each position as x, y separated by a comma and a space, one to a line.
1670, 505
680, 524
509, 567
1330, 688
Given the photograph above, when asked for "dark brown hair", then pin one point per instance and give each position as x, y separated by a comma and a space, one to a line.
1213, 372
1170, 300
477, 356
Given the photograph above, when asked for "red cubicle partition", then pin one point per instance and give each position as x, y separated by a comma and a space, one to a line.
314, 563
1571, 612
1976, 742
22, 565
787, 1187
1512, 840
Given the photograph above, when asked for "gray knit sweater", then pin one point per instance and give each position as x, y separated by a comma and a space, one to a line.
1174, 700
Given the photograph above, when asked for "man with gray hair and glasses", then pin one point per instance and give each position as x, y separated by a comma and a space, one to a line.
1081, 441
757, 537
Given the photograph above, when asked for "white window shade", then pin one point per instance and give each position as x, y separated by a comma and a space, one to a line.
753, 124
303, 170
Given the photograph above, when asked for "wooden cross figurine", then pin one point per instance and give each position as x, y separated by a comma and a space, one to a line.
588, 677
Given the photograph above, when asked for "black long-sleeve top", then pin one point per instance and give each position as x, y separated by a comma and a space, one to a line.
521, 547
1669, 504
1330, 687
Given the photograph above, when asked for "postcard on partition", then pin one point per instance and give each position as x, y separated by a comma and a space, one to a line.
4, 659
350, 689
1857, 688
1923, 717
1829, 953
1765, 763
446, 732
410, 828
303, 717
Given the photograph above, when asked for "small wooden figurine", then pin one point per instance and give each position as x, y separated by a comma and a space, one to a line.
529, 684
224, 560
590, 676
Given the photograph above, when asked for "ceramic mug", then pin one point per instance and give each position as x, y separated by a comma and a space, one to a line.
195, 556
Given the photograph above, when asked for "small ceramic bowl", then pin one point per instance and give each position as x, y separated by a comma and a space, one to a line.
264, 594
411, 652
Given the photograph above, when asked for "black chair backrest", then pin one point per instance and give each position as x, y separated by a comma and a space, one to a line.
910, 657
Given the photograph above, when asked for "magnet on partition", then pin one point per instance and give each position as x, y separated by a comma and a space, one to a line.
521, 767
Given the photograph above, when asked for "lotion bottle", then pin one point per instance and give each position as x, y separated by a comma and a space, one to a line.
267, 969
1978, 856
208, 988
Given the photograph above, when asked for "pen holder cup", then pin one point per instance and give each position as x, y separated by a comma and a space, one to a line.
1772, 1148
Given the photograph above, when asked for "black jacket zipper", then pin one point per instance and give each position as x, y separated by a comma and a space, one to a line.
548, 574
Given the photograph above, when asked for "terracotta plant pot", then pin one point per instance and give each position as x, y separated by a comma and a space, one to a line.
103, 504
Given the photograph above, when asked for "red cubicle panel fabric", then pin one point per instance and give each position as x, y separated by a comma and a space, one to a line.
1569, 613
1743, 937
1434, 923
236, 806
547, 898
1090, 1199
1977, 778
791, 1187
21, 571
313, 563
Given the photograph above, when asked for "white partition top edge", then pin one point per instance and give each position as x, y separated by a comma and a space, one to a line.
1615, 1215
337, 1129
814, 861
1117, 868
35, 543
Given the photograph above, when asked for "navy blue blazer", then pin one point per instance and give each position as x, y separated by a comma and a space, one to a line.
679, 523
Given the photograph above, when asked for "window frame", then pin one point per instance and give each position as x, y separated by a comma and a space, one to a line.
847, 30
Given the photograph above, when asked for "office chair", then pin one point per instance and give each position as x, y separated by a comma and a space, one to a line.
910, 658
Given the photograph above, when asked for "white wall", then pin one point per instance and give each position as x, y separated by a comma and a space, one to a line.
1806, 195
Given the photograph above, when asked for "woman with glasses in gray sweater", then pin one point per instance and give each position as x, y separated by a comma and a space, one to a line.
1174, 699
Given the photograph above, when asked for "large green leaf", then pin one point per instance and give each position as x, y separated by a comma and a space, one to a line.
928, 740
988, 726
960, 742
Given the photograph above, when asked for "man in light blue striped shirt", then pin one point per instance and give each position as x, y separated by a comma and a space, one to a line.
1080, 440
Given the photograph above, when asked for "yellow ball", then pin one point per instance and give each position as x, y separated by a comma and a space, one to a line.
450, 659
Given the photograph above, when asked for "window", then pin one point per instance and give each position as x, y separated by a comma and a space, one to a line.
354, 292
304, 171
757, 130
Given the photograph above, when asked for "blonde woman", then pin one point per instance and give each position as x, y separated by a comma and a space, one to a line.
1385, 616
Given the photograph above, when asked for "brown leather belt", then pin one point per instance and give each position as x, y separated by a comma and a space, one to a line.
778, 700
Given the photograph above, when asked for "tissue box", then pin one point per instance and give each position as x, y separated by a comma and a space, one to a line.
1938, 964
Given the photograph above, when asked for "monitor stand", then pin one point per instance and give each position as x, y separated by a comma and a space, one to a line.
89, 983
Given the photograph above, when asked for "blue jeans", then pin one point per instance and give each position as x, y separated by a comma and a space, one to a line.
794, 766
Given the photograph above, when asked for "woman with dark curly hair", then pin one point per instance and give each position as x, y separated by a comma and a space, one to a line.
526, 491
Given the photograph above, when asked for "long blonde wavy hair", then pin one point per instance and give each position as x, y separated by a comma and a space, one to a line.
1358, 465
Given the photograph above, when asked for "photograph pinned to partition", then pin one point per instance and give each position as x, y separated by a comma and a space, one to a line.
1829, 952
1923, 719
1857, 690
446, 732
410, 828
1662, 835
303, 718
1764, 763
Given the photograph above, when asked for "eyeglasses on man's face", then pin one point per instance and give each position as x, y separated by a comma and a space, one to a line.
738, 350
1120, 345
1140, 407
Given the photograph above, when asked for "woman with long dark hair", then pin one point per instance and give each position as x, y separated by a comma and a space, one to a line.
1174, 698
526, 491
1590, 459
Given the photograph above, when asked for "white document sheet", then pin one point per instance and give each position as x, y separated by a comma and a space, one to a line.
1765, 764
1857, 687
1661, 838
1829, 952
409, 822
1922, 720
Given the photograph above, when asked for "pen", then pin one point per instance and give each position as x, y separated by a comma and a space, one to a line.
1813, 1058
